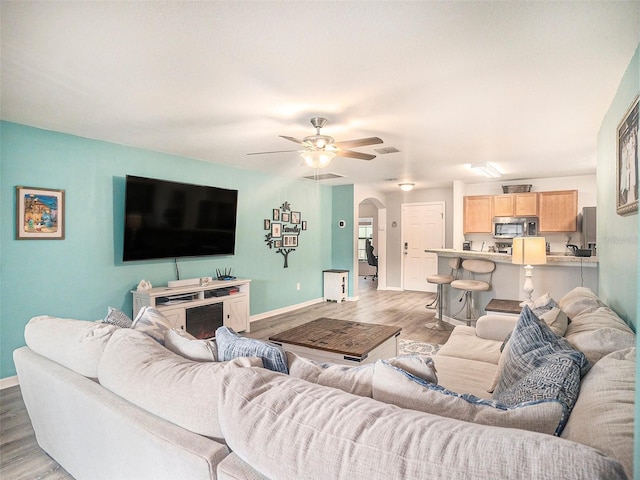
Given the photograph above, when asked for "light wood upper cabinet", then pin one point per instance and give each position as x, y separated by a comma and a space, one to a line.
503, 205
558, 211
515, 205
526, 204
478, 214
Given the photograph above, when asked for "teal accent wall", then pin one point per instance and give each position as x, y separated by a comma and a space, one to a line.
80, 276
617, 236
618, 248
342, 239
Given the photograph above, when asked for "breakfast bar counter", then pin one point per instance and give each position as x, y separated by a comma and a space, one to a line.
558, 276
553, 259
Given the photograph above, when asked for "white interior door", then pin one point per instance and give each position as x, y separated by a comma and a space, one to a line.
422, 228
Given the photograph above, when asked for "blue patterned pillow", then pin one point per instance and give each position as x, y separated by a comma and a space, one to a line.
540, 365
150, 321
231, 345
118, 318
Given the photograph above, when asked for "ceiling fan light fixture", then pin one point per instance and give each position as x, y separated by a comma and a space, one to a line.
406, 187
485, 169
318, 158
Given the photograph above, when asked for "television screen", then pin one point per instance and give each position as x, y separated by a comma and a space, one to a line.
165, 219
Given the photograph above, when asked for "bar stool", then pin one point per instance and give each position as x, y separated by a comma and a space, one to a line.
441, 280
474, 268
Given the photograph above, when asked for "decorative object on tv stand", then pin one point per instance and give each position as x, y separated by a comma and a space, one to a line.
39, 214
529, 251
144, 286
284, 230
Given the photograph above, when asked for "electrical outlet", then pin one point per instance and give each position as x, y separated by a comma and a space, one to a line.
297, 286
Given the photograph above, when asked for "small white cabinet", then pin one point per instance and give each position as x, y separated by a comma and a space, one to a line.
336, 285
229, 301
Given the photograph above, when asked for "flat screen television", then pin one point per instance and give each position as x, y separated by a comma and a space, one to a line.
165, 219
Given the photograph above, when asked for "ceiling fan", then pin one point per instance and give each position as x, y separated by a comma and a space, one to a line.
319, 149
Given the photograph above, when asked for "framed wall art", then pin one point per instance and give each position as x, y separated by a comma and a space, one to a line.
39, 214
627, 162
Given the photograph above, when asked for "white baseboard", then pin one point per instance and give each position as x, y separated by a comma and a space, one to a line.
290, 308
8, 382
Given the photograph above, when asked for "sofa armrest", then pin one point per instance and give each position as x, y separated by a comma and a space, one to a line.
495, 327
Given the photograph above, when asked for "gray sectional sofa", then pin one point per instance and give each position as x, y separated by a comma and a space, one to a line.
113, 403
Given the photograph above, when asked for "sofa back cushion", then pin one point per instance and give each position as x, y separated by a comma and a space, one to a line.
286, 427
599, 332
139, 369
579, 300
75, 344
603, 416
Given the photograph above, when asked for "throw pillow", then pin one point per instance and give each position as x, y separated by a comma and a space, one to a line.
496, 378
117, 317
351, 379
547, 310
398, 387
231, 345
188, 346
540, 365
150, 321
356, 379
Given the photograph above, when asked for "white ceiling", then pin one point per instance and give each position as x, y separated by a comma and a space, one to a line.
524, 85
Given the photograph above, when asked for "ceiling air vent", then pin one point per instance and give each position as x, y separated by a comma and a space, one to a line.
324, 176
385, 150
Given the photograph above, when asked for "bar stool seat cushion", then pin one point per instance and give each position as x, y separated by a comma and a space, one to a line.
474, 285
440, 279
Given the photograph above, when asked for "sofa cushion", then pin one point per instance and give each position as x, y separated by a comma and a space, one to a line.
285, 427
76, 344
464, 376
579, 300
231, 345
599, 332
464, 343
603, 415
152, 322
117, 317
355, 379
540, 365
188, 346
139, 369
398, 387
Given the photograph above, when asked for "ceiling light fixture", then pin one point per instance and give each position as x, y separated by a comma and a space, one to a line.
406, 186
318, 158
485, 169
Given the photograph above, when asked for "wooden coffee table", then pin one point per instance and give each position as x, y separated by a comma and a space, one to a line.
340, 341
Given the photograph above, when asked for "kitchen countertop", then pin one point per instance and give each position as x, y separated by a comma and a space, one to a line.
553, 259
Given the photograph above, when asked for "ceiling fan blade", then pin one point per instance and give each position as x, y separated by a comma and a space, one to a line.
275, 151
294, 140
358, 155
361, 142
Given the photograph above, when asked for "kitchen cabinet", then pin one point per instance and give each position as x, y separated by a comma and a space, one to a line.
478, 214
515, 205
558, 211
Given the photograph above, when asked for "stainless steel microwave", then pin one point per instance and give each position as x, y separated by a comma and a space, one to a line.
512, 227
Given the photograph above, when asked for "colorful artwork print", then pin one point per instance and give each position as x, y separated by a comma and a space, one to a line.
39, 213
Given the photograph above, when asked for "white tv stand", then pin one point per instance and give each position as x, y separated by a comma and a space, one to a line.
174, 303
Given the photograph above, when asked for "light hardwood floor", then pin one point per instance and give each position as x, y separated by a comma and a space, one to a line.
21, 458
